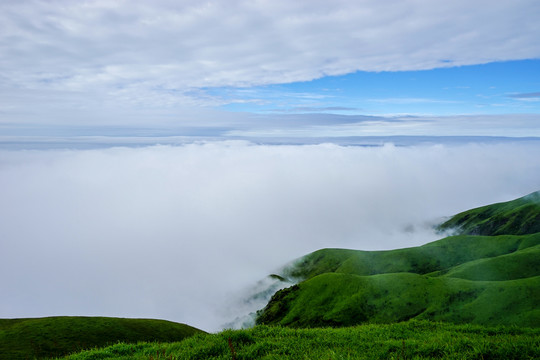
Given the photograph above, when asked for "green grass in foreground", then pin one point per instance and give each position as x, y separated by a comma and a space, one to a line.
57, 336
408, 340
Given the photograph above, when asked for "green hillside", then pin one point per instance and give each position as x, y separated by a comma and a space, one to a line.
520, 216
335, 299
491, 279
436, 256
407, 340
58, 336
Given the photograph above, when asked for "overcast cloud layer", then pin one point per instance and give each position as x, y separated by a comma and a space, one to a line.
71, 57
171, 232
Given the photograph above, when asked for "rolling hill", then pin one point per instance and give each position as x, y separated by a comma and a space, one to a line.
488, 273
58, 336
518, 217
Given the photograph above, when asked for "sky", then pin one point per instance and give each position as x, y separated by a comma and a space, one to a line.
159, 159
186, 68
493, 88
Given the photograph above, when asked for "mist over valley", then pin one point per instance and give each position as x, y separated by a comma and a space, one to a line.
179, 232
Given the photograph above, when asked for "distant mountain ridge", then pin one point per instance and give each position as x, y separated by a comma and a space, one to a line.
488, 273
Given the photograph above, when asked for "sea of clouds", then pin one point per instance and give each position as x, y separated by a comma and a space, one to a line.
175, 232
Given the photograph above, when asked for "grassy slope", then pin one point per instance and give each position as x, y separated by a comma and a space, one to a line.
334, 299
518, 265
56, 336
520, 216
462, 279
408, 340
436, 256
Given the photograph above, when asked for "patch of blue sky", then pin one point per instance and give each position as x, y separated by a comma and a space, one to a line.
493, 88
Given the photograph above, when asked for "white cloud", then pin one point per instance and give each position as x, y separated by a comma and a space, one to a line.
335, 126
169, 232
159, 53
412, 101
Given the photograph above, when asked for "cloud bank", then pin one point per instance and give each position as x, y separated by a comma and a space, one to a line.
83, 55
174, 231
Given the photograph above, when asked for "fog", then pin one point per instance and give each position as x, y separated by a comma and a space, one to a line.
175, 232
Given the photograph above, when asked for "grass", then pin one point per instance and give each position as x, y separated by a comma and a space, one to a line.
517, 265
436, 256
335, 299
407, 340
56, 336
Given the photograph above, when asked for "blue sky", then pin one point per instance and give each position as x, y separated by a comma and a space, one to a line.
493, 88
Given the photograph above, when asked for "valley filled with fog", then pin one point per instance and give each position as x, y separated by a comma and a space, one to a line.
181, 232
